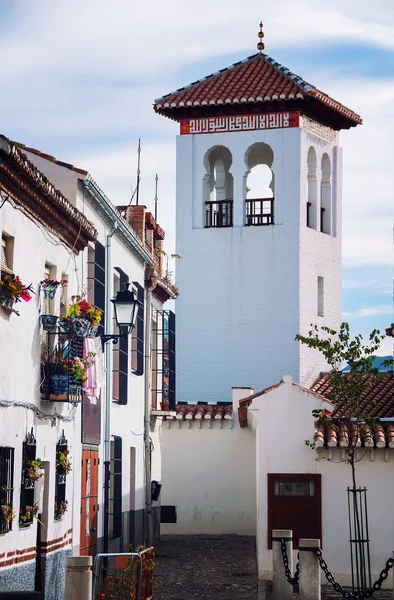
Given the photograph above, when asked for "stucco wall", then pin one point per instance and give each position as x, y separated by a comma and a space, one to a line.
247, 291
209, 474
281, 448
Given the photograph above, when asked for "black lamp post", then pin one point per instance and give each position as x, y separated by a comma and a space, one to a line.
126, 306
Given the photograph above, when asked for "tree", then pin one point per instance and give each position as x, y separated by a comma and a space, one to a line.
351, 418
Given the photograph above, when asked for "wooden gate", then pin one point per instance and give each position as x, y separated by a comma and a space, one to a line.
294, 502
89, 502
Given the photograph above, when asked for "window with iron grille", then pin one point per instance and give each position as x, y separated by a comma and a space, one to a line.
219, 213
137, 336
62, 458
6, 488
26, 510
259, 211
47, 308
96, 279
115, 490
163, 360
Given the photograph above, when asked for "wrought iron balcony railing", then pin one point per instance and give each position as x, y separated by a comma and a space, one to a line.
260, 211
219, 213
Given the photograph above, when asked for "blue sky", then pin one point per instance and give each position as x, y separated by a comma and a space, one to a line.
79, 79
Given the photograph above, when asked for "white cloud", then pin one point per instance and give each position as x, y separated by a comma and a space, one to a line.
369, 311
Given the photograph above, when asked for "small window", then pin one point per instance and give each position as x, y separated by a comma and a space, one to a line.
64, 295
288, 488
7, 250
6, 488
320, 296
47, 308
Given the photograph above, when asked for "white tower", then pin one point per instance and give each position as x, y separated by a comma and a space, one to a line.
258, 192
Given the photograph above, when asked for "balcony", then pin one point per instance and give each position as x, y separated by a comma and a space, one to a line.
219, 213
259, 211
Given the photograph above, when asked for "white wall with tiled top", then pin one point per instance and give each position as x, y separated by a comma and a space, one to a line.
281, 448
247, 291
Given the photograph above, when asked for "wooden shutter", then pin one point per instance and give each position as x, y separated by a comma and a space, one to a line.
45, 310
99, 280
138, 334
171, 353
4, 263
123, 352
116, 491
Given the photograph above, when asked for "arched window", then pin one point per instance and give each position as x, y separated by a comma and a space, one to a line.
218, 190
312, 202
260, 185
325, 195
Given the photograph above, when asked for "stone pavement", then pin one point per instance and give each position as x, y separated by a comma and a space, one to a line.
205, 567
221, 567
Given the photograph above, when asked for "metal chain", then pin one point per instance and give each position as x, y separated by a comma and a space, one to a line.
292, 580
353, 595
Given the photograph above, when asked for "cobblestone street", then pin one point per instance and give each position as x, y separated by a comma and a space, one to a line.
223, 567
206, 568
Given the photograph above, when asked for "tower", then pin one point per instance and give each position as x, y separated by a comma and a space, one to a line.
258, 224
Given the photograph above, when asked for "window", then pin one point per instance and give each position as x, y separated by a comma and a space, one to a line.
47, 308
320, 296
163, 360
137, 337
6, 488
96, 278
325, 214
28, 480
63, 466
7, 252
311, 205
218, 188
64, 295
120, 350
115, 348
260, 185
115, 491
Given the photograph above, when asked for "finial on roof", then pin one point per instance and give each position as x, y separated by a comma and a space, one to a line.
260, 45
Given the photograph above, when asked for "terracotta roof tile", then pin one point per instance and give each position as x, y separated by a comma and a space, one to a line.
257, 79
377, 401
331, 434
197, 412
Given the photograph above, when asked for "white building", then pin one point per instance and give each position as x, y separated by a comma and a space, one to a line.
259, 192
140, 373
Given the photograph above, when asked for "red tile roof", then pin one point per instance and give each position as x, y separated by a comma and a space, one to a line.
50, 158
377, 400
334, 435
196, 412
259, 82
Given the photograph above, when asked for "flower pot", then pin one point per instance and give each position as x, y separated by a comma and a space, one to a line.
81, 326
63, 325
6, 301
49, 322
93, 329
59, 384
49, 290
165, 405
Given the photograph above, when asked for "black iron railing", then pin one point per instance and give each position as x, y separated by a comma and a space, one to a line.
6, 488
219, 213
259, 211
308, 216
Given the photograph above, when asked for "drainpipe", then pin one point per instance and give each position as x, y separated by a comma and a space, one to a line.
108, 386
148, 490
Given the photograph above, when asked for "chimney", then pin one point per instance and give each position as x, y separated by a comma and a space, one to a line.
239, 393
135, 216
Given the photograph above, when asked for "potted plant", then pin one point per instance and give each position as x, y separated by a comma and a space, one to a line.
9, 513
49, 287
164, 405
13, 290
49, 322
59, 375
79, 366
26, 518
84, 315
35, 469
63, 463
60, 509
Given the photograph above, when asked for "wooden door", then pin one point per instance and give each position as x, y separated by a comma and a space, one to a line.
89, 502
294, 502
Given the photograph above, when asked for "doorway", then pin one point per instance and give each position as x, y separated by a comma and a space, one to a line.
89, 502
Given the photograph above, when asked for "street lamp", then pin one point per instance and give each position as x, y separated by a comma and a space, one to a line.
126, 305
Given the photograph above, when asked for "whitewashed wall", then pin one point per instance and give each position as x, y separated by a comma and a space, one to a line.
209, 475
247, 291
281, 448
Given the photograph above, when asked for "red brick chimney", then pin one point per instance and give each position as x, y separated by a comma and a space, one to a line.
135, 216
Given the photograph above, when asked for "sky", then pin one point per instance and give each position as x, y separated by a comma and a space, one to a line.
78, 79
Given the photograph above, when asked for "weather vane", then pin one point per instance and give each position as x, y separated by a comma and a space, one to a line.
260, 45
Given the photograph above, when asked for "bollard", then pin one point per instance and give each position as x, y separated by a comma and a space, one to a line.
310, 576
282, 589
78, 578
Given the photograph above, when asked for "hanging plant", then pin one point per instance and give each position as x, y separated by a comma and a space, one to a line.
30, 513
35, 469
49, 287
63, 462
9, 513
61, 508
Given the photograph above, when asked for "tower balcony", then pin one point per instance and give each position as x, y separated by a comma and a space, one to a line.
259, 211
